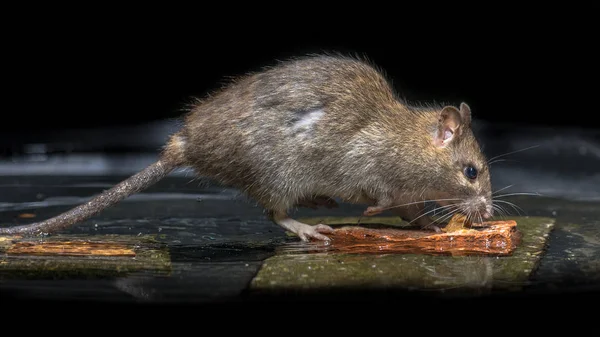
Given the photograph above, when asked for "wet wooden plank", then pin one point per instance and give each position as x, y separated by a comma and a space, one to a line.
66, 256
71, 248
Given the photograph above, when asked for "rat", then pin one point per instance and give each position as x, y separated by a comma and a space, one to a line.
312, 129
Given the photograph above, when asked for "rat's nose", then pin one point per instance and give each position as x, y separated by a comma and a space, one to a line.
486, 215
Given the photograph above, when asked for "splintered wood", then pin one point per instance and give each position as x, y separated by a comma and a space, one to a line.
71, 248
498, 238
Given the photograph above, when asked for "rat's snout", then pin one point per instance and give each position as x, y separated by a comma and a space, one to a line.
489, 210
480, 206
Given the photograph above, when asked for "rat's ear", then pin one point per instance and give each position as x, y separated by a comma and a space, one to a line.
449, 121
465, 113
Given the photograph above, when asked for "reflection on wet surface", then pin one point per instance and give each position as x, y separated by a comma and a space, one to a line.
216, 256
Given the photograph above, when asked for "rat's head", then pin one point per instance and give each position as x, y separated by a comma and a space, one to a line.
461, 166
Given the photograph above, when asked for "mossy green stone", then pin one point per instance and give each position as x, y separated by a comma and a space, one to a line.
294, 269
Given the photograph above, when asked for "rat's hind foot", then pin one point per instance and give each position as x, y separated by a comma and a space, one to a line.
304, 231
317, 201
308, 232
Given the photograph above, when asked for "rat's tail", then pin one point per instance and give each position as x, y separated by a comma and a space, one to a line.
171, 157
140, 181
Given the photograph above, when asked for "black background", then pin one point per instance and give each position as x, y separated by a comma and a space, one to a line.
99, 67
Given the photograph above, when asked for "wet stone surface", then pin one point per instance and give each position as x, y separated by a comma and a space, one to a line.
295, 269
222, 247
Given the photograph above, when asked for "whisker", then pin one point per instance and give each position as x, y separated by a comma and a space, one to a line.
435, 209
500, 160
410, 203
446, 217
418, 202
496, 161
499, 210
503, 188
469, 216
450, 211
440, 209
496, 211
523, 193
513, 152
506, 211
515, 207
424, 214
429, 212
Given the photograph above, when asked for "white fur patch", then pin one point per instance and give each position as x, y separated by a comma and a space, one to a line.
308, 120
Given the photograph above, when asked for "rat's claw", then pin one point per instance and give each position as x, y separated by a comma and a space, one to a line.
314, 232
372, 210
323, 228
304, 231
432, 227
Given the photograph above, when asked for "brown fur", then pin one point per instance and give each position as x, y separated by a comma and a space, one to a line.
368, 146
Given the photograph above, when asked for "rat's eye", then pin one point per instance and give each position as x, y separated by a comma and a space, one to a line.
470, 172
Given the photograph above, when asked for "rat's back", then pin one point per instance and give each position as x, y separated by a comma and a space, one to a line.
286, 127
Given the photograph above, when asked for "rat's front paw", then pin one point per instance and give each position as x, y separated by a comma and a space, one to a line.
307, 232
373, 210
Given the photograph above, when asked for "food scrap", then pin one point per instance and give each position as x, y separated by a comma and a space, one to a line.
458, 222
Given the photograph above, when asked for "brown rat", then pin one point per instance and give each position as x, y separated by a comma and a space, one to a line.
314, 128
